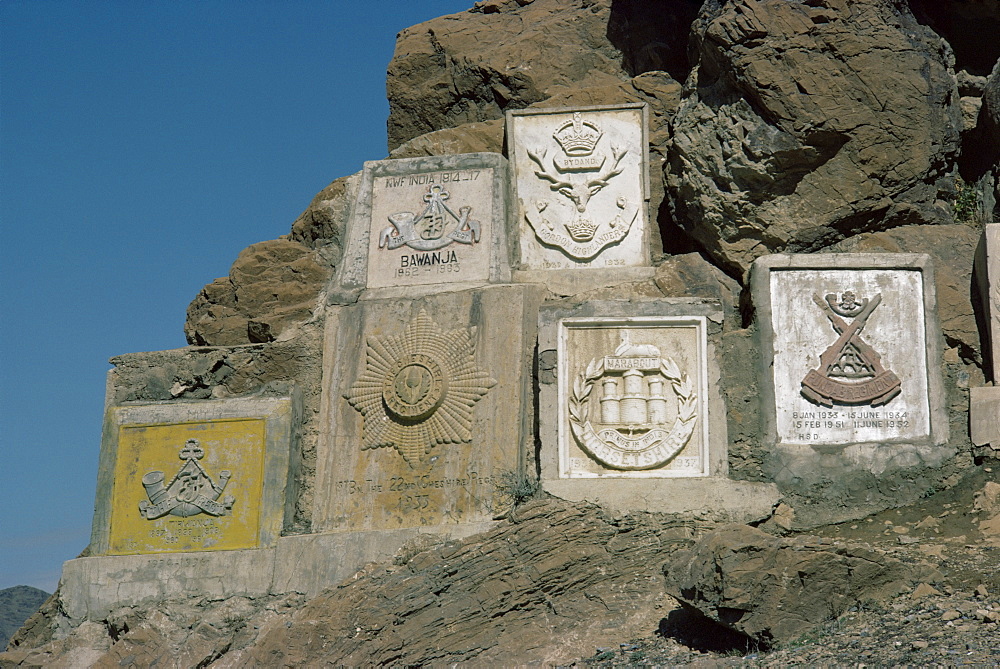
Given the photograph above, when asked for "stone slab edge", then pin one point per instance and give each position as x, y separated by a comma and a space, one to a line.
281, 414
351, 278
984, 416
760, 273
987, 277
508, 131
92, 587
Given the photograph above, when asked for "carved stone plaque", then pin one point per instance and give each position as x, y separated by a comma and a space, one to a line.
427, 411
851, 349
426, 222
582, 186
187, 487
431, 227
193, 476
632, 397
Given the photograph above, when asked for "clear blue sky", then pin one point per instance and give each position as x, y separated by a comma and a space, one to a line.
143, 144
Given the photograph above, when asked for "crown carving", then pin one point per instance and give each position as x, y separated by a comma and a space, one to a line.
578, 137
581, 229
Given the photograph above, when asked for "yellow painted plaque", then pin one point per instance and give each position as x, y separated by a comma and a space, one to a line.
187, 486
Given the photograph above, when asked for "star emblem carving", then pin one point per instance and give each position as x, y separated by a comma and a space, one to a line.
418, 389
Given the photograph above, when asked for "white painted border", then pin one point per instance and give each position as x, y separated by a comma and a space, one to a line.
563, 386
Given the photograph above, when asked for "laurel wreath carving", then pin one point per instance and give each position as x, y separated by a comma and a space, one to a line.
583, 385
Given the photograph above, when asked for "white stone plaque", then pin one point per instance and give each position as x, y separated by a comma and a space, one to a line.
582, 184
429, 223
850, 361
431, 227
632, 397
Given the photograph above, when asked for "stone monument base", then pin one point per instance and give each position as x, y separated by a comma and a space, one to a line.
93, 587
713, 498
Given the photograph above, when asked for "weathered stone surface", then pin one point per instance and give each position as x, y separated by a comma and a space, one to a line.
322, 223
809, 123
429, 410
274, 284
775, 589
267, 370
690, 275
480, 137
556, 578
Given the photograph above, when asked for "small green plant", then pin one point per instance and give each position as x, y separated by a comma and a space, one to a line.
966, 204
604, 656
637, 656
516, 487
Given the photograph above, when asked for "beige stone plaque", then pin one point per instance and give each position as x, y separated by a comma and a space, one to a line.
431, 227
632, 397
430, 411
582, 186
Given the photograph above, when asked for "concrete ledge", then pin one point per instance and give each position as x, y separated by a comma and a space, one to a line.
716, 499
93, 587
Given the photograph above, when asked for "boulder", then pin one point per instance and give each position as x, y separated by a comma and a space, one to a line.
808, 122
774, 589
271, 287
509, 54
321, 225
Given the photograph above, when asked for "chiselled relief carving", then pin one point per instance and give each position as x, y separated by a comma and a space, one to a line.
190, 492
850, 371
426, 231
577, 167
632, 430
418, 389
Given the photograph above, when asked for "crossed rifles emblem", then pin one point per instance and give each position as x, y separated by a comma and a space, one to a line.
850, 371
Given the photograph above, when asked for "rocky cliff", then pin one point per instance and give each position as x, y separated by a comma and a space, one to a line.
813, 126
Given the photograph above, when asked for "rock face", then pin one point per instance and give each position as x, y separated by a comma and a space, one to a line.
270, 286
472, 67
549, 584
557, 578
810, 122
775, 589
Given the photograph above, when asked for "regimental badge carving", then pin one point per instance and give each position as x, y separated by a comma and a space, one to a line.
418, 389
632, 430
426, 231
578, 171
850, 371
190, 492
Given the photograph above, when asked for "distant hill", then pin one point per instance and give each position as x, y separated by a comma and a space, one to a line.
16, 605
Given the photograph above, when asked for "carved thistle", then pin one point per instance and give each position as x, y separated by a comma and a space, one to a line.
426, 231
850, 371
577, 171
418, 389
632, 430
190, 492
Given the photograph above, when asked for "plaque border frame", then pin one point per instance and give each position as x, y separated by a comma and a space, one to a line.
277, 502
351, 278
760, 286
518, 213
